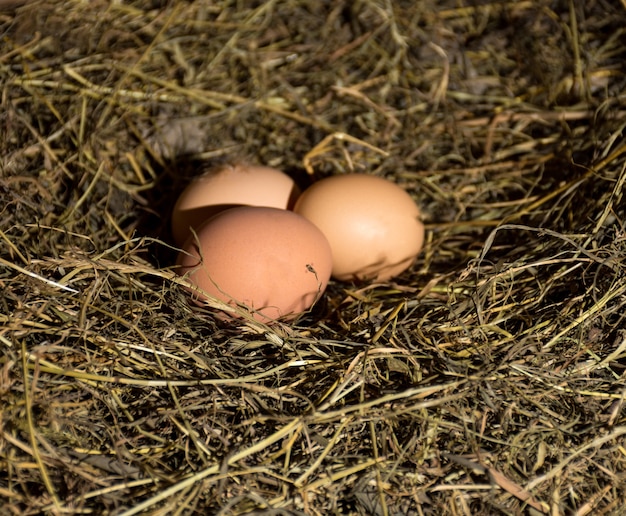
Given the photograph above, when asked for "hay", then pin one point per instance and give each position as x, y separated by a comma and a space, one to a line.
488, 379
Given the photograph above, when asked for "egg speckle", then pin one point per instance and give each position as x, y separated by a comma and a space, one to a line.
272, 261
372, 225
227, 187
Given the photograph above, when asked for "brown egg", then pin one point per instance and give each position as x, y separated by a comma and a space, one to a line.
230, 186
274, 262
372, 225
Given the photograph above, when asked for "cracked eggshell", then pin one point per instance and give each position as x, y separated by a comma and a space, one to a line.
274, 262
373, 225
227, 187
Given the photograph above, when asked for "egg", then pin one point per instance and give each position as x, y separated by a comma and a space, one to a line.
226, 187
373, 226
274, 262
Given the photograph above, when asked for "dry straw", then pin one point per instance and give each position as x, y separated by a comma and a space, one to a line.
487, 379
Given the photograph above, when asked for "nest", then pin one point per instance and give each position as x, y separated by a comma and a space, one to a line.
486, 379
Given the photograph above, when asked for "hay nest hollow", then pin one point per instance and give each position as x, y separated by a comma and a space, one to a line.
487, 379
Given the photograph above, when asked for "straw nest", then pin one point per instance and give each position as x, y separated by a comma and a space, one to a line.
487, 379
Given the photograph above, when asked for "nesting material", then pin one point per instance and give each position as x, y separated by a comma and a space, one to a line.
488, 378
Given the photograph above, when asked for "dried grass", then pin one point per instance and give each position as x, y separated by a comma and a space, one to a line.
488, 379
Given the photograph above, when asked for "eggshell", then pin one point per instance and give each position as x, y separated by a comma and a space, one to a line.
272, 261
372, 225
226, 187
